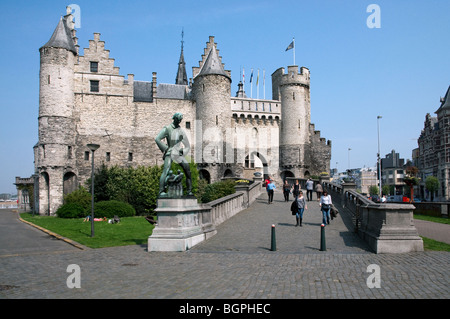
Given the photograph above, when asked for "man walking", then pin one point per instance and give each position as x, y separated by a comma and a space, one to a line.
309, 188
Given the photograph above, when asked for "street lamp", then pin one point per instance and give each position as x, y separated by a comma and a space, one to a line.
378, 155
93, 148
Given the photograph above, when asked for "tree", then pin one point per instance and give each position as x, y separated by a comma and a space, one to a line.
432, 184
373, 190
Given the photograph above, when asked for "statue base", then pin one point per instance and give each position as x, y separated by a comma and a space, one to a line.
182, 224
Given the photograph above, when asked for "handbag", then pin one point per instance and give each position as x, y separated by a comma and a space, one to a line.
326, 206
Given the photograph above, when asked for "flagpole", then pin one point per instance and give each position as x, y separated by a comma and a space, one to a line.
264, 83
257, 86
293, 41
251, 85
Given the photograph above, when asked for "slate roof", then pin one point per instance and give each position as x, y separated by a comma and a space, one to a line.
142, 91
61, 38
172, 91
212, 64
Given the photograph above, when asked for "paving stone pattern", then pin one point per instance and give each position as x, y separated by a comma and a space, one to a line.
237, 263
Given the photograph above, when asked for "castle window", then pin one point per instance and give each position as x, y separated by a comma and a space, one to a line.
188, 125
69, 152
48, 79
108, 156
95, 87
130, 157
86, 156
94, 66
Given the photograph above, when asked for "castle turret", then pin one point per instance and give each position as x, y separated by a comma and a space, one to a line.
211, 92
56, 124
292, 89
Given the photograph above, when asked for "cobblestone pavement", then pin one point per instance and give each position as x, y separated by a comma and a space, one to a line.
237, 263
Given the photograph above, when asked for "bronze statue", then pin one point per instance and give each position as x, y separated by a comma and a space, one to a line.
175, 136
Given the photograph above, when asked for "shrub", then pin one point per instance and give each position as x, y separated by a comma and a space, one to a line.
81, 196
218, 190
111, 208
71, 210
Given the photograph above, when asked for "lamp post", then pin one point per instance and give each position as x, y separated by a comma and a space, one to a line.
93, 148
378, 156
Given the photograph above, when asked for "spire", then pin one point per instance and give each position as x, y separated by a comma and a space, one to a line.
240, 92
181, 74
61, 38
212, 64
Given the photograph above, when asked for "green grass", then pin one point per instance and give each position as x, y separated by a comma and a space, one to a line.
431, 244
130, 230
442, 220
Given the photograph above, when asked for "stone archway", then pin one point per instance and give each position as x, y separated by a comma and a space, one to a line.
204, 174
228, 173
70, 183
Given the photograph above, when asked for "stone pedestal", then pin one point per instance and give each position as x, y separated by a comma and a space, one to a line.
182, 224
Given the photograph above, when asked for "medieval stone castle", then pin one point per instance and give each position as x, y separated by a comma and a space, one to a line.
83, 99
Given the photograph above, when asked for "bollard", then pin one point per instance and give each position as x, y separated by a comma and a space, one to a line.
323, 246
274, 242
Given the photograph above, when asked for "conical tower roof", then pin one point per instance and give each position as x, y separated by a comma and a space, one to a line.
61, 38
212, 64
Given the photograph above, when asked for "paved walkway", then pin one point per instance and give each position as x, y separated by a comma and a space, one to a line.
235, 264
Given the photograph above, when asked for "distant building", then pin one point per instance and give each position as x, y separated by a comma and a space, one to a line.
392, 172
432, 157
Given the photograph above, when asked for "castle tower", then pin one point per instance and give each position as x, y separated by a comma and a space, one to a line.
211, 92
292, 89
54, 161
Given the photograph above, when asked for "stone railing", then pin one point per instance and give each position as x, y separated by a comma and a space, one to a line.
386, 227
228, 206
184, 223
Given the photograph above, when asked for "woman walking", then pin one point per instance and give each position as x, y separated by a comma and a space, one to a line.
325, 205
301, 206
286, 190
298, 207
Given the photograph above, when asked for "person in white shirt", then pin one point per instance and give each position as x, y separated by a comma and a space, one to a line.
325, 205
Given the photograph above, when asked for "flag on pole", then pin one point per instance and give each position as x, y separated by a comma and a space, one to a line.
290, 46
243, 76
251, 76
257, 78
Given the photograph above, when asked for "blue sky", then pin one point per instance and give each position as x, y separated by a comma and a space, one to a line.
398, 71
